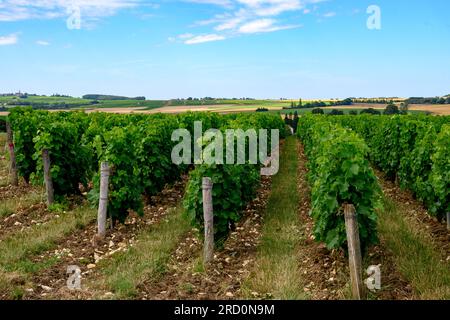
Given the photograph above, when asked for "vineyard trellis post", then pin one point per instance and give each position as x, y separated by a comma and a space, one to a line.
208, 249
48, 177
12, 155
103, 201
354, 251
448, 220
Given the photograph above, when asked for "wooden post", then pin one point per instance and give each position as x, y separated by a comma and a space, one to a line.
48, 177
208, 249
12, 155
354, 251
103, 202
448, 221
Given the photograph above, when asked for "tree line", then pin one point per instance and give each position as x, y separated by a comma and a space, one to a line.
412, 100
319, 104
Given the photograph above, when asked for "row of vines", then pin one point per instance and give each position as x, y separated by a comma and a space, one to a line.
339, 173
138, 149
413, 150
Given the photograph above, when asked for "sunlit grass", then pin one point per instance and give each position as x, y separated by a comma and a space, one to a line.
276, 272
146, 261
415, 256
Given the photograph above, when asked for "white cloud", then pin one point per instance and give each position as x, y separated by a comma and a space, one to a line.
205, 38
262, 25
229, 24
185, 36
8, 40
223, 3
16, 10
182, 37
329, 14
253, 16
42, 43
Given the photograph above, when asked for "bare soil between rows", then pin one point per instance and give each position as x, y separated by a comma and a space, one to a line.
224, 276
24, 219
82, 248
326, 273
12, 192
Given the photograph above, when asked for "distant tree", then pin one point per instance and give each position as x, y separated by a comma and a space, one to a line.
347, 102
370, 111
336, 112
353, 113
317, 111
391, 109
300, 103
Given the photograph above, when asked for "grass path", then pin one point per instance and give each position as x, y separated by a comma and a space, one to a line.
16, 249
277, 271
415, 256
122, 274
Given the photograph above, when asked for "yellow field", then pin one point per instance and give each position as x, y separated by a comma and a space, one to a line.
438, 109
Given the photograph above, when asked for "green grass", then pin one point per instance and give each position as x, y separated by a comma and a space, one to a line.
148, 104
276, 273
43, 99
146, 261
10, 206
17, 250
414, 254
41, 238
84, 103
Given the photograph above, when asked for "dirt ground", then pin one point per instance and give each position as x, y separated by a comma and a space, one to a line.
326, 273
224, 275
80, 248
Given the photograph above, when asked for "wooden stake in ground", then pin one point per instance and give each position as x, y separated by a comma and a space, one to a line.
208, 248
47, 177
103, 202
448, 221
12, 155
354, 251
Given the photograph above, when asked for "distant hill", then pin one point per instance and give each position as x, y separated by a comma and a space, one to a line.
109, 97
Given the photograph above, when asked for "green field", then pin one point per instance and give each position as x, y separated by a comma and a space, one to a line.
44, 99
5, 101
214, 105
147, 104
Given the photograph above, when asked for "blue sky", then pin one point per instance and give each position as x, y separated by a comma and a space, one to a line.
225, 48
